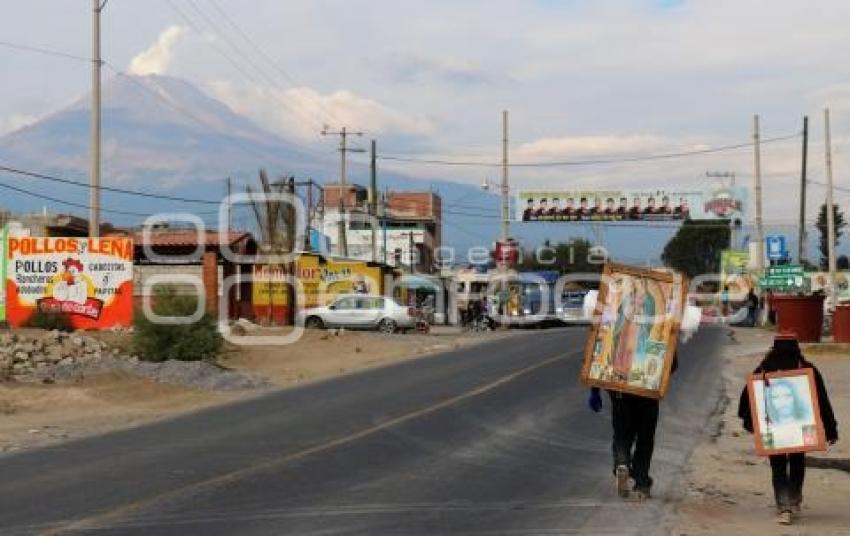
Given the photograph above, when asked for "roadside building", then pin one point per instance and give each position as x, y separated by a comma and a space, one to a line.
405, 231
208, 257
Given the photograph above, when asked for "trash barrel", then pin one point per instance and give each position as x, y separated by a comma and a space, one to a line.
802, 315
841, 323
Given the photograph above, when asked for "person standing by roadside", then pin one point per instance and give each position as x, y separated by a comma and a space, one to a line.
788, 470
724, 301
752, 308
634, 419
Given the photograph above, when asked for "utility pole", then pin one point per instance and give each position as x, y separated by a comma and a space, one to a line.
801, 247
310, 214
229, 205
757, 180
94, 192
411, 246
384, 223
373, 198
343, 149
830, 208
505, 190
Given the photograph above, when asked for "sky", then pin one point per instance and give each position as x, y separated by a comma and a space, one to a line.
582, 79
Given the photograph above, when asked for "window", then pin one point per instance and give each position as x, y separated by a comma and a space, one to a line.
345, 303
370, 303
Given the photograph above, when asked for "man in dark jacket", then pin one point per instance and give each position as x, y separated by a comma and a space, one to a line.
788, 470
752, 308
634, 419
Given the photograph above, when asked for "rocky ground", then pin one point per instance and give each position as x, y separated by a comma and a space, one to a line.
729, 489
55, 356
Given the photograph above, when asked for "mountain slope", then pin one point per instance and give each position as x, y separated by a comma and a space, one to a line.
162, 134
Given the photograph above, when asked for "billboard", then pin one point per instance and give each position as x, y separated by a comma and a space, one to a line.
4, 235
88, 279
389, 242
630, 204
335, 277
269, 292
735, 273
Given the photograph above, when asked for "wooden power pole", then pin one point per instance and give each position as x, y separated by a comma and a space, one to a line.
757, 189
801, 238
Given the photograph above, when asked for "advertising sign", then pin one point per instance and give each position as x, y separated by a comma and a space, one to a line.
629, 205
507, 252
396, 241
734, 273
820, 282
4, 235
88, 279
269, 292
776, 249
335, 277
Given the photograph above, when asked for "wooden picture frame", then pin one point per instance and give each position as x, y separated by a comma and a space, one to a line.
604, 341
812, 436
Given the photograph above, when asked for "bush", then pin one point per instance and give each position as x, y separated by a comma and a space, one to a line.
50, 321
184, 342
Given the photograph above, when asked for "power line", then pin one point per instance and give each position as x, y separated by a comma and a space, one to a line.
601, 161
174, 106
46, 51
212, 127
839, 188
249, 61
72, 182
69, 203
263, 54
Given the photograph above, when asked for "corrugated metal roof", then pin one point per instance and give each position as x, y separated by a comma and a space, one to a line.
187, 238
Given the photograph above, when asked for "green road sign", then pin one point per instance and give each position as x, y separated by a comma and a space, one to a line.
780, 282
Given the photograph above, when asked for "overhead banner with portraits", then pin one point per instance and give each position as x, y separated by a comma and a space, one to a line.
630, 205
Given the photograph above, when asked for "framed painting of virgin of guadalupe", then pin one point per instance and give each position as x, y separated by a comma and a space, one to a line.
632, 340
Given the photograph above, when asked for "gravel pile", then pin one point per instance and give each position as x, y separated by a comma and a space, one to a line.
70, 357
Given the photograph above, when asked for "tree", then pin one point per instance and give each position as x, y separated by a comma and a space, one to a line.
696, 247
823, 243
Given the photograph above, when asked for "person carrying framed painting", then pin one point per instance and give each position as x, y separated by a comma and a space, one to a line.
778, 405
631, 353
634, 420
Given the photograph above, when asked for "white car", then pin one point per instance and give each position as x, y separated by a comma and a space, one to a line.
361, 311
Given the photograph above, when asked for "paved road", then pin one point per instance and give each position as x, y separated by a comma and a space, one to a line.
494, 439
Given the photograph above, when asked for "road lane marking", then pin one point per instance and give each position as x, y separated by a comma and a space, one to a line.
92, 522
371, 509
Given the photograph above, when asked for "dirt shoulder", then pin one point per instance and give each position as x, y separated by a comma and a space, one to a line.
729, 489
35, 414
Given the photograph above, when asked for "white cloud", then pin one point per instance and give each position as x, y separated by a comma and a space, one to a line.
156, 58
591, 145
16, 121
301, 112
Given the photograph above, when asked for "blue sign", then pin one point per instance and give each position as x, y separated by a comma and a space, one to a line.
320, 243
776, 248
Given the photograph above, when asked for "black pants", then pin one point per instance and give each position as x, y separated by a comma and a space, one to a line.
788, 473
634, 420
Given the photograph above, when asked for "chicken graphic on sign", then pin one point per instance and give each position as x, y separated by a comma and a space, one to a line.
72, 292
